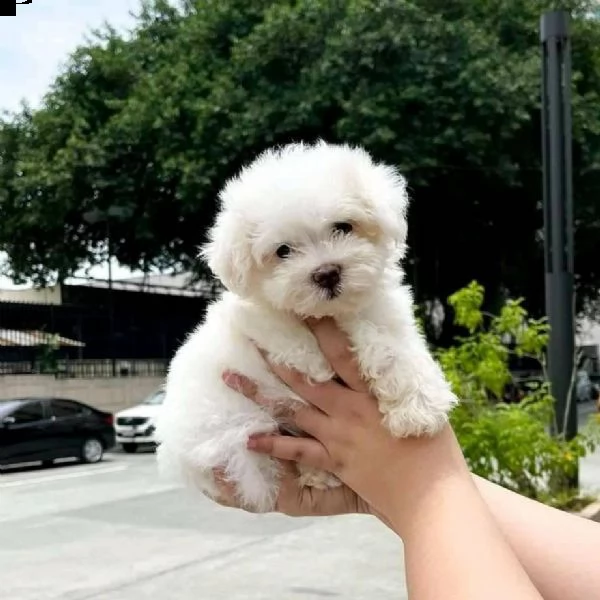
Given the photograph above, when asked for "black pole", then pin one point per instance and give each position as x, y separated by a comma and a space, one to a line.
111, 307
558, 215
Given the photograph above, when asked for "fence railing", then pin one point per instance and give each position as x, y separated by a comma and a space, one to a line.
141, 331
87, 368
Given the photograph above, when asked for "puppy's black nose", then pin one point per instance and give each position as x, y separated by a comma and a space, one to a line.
327, 276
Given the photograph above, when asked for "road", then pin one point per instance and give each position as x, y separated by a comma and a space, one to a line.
589, 471
113, 532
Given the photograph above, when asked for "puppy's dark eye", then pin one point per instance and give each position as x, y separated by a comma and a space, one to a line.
283, 251
342, 227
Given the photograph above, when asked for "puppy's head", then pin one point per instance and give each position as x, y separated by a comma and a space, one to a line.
309, 229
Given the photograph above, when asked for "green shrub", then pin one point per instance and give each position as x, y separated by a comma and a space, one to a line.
47, 354
509, 444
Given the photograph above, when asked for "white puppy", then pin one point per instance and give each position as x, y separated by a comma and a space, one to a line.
306, 230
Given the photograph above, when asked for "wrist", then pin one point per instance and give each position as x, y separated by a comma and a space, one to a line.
421, 509
412, 486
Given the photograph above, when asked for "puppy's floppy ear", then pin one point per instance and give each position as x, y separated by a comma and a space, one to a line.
228, 252
391, 202
385, 200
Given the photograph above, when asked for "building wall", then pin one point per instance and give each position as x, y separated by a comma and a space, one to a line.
49, 295
111, 394
588, 333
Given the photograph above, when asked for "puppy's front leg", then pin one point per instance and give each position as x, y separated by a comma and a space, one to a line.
414, 396
288, 342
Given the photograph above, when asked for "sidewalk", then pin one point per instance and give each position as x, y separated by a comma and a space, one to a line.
589, 468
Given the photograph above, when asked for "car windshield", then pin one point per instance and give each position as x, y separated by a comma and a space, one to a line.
6, 407
156, 398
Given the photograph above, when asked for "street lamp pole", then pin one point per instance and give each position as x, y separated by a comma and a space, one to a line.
98, 216
111, 303
558, 214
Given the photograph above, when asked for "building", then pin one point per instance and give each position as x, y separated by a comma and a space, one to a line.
113, 326
588, 342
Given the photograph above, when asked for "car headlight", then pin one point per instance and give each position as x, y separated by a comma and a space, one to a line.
150, 430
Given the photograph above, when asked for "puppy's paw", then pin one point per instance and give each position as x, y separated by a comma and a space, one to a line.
411, 418
414, 396
315, 478
299, 351
313, 365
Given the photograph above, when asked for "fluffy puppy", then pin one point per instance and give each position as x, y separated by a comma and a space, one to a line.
305, 230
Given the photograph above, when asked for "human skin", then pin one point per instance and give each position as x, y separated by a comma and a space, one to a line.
425, 493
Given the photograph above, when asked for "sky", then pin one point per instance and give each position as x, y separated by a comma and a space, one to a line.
35, 44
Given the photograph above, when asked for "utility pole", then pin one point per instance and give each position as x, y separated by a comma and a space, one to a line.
558, 214
99, 216
111, 301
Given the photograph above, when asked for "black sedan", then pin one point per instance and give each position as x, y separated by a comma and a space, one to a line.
45, 429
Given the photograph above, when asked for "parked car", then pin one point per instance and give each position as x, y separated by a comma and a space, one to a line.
584, 388
46, 429
135, 426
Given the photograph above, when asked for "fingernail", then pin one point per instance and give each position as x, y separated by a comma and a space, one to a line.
232, 379
252, 444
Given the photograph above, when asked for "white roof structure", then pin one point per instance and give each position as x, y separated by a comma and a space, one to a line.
175, 285
17, 338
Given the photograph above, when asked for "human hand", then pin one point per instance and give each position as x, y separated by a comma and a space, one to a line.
293, 500
348, 439
420, 487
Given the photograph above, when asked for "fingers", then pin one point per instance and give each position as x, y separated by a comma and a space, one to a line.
305, 451
291, 415
227, 490
336, 348
281, 409
322, 395
242, 384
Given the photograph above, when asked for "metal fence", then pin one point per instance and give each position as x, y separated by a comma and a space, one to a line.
137, 336
82, 368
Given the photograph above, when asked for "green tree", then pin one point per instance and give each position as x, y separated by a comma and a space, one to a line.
448, 91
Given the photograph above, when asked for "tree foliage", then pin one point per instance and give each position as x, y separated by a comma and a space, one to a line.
155, 122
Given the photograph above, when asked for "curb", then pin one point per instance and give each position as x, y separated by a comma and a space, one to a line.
590, 511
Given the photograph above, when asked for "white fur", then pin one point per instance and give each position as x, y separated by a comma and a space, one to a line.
293, 196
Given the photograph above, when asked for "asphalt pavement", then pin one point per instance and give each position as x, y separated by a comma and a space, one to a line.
113, 531
589, 470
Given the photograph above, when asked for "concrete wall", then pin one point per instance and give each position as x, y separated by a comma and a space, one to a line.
111, 394
49, 295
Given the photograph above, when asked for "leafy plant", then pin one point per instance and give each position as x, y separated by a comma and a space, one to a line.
511, 444
48, 354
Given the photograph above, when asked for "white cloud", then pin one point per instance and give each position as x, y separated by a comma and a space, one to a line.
36, 43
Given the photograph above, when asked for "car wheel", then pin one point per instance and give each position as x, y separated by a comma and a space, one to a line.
130, 448
92, 450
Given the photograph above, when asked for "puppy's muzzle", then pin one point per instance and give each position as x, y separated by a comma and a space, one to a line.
328, 278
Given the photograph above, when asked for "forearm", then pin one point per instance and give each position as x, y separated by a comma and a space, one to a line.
453, 549
556, 549
453, 546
